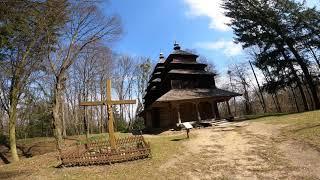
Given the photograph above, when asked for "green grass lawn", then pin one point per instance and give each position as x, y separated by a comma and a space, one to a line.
304, 127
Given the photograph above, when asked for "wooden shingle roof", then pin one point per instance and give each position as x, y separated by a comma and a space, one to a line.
189, 71
188, 94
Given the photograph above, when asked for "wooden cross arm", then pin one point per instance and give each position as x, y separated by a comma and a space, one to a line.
97, 103
123, 102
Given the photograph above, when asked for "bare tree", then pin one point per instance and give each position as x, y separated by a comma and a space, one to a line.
239, 72
34, 26
85, 26
260, 90
104, 72
124, 76
142, 72
90, 72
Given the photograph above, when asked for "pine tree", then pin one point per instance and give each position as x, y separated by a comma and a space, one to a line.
282, 25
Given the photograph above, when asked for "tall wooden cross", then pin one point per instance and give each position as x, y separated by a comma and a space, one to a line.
109, 102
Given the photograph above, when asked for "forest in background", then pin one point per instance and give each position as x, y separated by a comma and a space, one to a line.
57, 53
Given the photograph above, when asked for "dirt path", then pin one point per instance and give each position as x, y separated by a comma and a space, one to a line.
253, 151
247, 150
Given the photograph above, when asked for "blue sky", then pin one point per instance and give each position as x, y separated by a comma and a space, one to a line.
151, 27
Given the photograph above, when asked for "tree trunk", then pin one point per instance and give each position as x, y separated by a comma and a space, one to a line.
260, 100
85, 124
314, 55
247, 100
299, 85
64, 128
1, 122
274, 94
295, 98
234, 98
101, 127
12, 121
260, 91
274, 101
85, 120
310, 96
57, 131
303, 65
296, 78
79, 113
279, 109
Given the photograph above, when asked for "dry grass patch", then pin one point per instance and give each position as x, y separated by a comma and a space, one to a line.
44, 166
304, 127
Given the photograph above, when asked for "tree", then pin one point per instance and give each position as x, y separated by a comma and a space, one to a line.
86, 25
104, 72
277, 24
142, 73
210, 65
28, 29
282, 66
239, 72
260, 90
124, 75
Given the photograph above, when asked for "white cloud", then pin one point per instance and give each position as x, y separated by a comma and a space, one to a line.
211, 9
229, 48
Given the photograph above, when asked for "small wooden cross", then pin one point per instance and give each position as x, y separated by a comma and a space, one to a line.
109, 102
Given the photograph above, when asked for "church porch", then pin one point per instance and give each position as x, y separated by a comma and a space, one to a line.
166, 115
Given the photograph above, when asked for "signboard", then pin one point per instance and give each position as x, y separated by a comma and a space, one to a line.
187, 125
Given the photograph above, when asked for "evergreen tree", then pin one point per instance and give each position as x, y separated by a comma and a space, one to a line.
283, 25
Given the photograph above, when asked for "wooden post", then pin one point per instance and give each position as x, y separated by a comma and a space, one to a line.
188, 130
85, 124
112, 137
228, 107
178, 111
215, 110
198, 113
109, 102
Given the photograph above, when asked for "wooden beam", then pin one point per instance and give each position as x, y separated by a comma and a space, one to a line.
122, 102
228, 107
178, 113
109, 102
112, 137
198, 112
98, 103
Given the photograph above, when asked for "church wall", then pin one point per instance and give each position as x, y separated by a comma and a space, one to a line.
161, 116
189, 81
164, 117
148, 121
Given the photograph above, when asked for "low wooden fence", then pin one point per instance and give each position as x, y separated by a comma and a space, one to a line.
98, 151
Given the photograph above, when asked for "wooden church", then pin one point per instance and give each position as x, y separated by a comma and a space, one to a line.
181, 90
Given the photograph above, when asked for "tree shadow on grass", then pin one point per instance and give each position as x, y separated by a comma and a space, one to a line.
257, 116
305, 128
179, 139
